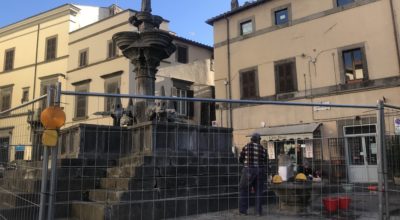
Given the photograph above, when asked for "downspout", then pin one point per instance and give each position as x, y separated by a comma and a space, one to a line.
229, 70
36, 63
396, 31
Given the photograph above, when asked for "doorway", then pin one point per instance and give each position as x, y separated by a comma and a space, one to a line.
4, 147
361, 150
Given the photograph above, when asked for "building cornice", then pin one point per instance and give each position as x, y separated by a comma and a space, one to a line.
49, 15
307, 18
110, 75
334, 90
96, 63
244, 7
52, 76
102, 20
191, 42
99, 32
81, 82
33, 64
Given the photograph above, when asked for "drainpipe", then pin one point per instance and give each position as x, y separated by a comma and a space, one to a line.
396, 31
36, 62
229, 70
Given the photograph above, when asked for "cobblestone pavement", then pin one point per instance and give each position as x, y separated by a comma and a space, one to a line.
364, 206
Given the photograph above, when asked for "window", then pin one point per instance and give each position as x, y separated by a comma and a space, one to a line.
343, 2
182, 54
111, 85
282, 16
25, 95
9, 59
182, 88
285, 76
44, 85
248, 82
51, 48
112, 49
81, 102
246, 27
83, 57
4, 145
5, 98
354, 65
183, 107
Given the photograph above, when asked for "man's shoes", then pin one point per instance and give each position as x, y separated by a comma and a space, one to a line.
242, 213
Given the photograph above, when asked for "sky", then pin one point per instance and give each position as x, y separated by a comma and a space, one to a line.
187, 17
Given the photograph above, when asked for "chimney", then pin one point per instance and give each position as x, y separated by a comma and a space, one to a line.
234, 4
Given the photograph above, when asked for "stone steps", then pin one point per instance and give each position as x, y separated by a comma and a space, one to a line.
70, 172
113, 196
18, 199
153, 209
183, 170
165, 160
167, 182
33, 185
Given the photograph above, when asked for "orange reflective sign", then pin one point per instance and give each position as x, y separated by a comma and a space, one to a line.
50, 138
52, 117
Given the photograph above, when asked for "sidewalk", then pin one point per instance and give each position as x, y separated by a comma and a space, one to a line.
364, 206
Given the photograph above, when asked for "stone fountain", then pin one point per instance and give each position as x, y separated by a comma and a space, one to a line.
145, 49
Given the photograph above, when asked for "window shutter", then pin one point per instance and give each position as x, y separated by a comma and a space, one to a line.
248, 84
9, 63
182, 54
190, 105
174, 93
285, 77
51, 48
6, 101
111, 49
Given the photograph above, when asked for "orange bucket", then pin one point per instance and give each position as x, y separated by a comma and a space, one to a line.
344, 202
331, 204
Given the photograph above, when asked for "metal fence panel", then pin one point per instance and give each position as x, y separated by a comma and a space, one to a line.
183, 163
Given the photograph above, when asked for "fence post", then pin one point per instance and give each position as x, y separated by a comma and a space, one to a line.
381, 160
45, 166
54, 153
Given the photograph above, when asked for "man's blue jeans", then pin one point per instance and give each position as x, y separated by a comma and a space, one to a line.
251, 177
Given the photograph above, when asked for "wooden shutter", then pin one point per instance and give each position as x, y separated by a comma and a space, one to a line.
51, 48
285, 77
81, 102
83, 58
248, 80
9, 63
5, 99
182, 54
190, 105
111, 49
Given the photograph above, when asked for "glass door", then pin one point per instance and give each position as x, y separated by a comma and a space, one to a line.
4, 145
362, 159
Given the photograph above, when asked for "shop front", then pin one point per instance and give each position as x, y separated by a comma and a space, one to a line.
301, 143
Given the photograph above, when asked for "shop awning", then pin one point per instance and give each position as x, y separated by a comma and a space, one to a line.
290, 132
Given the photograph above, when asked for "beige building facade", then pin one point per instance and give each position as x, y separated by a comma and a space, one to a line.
313, 51
34, 55
96, 65
72, 44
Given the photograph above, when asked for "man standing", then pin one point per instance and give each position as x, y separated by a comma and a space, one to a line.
255, 160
